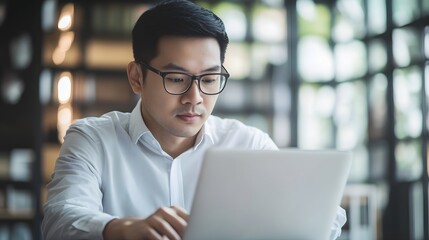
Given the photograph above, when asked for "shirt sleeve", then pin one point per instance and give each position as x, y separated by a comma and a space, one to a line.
74, 207
340, 220
262, 141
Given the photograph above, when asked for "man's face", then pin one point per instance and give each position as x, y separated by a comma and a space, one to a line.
169, 115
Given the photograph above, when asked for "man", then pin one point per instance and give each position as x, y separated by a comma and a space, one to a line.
133, 175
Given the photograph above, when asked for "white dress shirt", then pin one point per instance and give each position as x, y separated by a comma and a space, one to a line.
112, 167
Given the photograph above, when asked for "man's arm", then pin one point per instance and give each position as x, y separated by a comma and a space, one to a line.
169, 222
74, 207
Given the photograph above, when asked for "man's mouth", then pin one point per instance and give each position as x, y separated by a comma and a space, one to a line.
189, 117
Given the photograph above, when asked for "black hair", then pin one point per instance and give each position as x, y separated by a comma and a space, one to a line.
175, 18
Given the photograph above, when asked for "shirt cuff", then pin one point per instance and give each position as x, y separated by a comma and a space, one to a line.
93, 226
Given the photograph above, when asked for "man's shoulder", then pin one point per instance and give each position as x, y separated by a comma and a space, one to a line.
224, 123
226, 132
220, 125
105, 122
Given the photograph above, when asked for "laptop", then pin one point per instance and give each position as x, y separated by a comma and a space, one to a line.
268, 194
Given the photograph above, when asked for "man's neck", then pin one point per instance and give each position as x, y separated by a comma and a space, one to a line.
175, 146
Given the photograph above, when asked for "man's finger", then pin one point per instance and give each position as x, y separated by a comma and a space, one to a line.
181, 212
164, 227
175, 220
153, 234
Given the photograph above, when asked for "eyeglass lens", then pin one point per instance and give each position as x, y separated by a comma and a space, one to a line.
177, 83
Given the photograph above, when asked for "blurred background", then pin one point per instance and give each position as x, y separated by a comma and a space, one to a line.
314, 74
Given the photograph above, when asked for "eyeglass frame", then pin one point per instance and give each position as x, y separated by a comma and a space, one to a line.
193, 77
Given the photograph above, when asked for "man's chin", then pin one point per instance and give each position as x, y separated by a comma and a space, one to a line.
188, 132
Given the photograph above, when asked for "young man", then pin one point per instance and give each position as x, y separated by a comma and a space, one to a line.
133, 175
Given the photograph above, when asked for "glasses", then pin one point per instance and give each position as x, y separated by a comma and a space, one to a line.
178, 83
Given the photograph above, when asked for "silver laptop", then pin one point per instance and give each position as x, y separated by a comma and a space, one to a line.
285, 194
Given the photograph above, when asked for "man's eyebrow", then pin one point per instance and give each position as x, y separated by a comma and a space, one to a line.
174, 67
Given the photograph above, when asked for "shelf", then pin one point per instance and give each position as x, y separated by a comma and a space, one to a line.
111, 72
16, 184
6, 216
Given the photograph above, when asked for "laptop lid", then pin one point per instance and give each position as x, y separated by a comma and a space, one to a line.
268, 194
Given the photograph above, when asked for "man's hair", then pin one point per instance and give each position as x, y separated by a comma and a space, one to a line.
175, 18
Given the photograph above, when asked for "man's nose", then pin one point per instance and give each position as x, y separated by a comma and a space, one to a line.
193, 95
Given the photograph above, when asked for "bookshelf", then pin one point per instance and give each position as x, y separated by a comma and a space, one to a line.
21, 120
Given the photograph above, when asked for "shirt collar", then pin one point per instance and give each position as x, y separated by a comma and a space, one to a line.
137, 126
206, 131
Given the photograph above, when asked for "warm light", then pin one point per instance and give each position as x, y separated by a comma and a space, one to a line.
64, 88
64, 120
65, 23
58, 56
64, 44
66, 40
64, 115
66, 18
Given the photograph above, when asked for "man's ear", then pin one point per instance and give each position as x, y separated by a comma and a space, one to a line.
135, 77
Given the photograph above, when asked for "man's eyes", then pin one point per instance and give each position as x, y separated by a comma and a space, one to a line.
208, 80
176, 80
184, 78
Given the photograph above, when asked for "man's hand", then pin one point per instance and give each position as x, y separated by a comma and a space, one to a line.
165, 223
